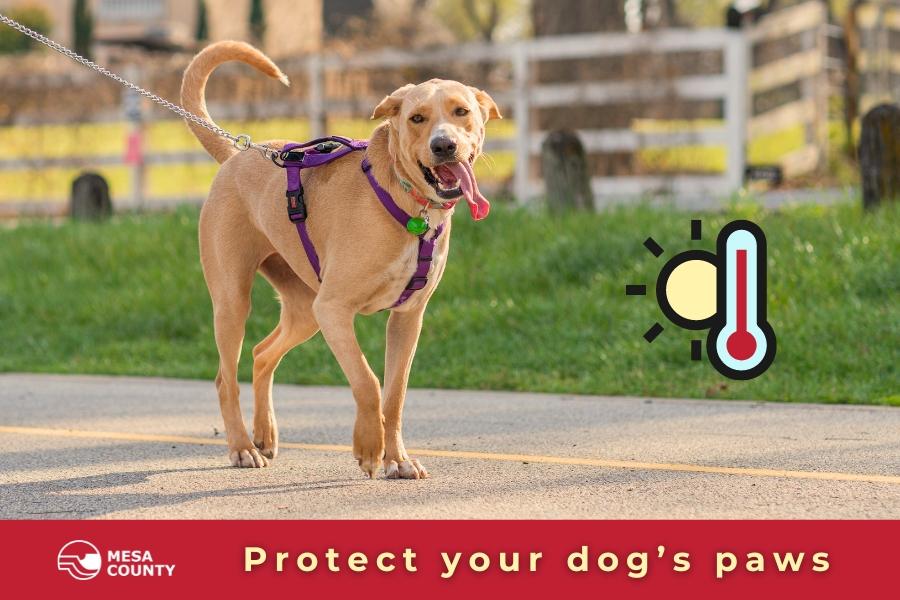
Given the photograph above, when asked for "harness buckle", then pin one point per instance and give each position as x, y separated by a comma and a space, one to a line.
327, 147
295, 156
296, 205
417, 283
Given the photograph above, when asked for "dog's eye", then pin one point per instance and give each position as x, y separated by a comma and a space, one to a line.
461, 111
417, 118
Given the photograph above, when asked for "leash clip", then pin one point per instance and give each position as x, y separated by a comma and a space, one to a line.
242, 142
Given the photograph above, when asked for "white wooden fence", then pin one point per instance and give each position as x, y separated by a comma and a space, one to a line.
879, 57
790, 83
737, 86
525, 95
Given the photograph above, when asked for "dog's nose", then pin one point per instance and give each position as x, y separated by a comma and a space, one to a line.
443, 147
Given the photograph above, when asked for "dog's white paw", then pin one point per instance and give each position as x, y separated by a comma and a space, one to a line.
248, 458
407, 469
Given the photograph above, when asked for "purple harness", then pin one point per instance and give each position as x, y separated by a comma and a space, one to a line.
295, 157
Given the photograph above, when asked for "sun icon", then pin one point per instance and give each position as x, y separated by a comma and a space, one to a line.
724, 292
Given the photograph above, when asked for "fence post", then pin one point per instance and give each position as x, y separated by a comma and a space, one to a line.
521, 112
134, 152
822, 91
317, 116
737, 107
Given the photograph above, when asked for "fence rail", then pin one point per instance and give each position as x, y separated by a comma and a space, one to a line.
879, 56
768, 79
789, 81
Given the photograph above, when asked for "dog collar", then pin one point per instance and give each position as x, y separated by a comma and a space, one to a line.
423, 200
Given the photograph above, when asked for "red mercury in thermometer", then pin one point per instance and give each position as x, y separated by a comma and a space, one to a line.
741, 343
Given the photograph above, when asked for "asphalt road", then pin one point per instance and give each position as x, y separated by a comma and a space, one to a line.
99, 447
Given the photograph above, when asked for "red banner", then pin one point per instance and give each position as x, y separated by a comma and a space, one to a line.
450, 559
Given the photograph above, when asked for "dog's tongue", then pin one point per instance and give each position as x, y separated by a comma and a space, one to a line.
478, 204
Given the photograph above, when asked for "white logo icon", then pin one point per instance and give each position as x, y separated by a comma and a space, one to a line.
80, 559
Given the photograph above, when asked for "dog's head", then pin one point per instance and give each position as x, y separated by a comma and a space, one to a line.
437, 133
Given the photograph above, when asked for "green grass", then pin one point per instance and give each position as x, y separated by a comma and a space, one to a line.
529, 302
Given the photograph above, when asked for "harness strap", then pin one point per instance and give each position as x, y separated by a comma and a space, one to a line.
426, 246
318, 152
423, 266
386, 200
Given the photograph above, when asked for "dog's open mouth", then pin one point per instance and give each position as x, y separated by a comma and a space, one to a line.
450, 180
444, 181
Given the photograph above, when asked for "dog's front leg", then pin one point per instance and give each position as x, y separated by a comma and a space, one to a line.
403, 330
336, 323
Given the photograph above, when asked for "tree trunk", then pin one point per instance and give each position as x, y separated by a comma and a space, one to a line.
565, 172
660, 14
879, 155
90, 198
558, 17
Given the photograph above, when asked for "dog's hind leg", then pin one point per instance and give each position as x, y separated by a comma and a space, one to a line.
229, 264
297, 324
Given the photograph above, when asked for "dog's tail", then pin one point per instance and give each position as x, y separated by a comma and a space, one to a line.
193, 88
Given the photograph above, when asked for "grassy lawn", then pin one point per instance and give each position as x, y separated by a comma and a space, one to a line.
529, 302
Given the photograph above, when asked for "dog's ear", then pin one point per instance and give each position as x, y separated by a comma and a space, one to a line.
488, 107
390, 106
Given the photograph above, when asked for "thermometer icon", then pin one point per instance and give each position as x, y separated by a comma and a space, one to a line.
741, 343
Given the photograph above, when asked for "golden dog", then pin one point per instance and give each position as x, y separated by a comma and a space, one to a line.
430, 131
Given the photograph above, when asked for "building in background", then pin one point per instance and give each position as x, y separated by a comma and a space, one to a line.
291, 26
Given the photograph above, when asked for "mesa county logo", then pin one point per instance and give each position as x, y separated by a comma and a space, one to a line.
82, 560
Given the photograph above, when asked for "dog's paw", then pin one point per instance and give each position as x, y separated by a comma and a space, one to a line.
265, 435
267, 449
369, 464
368, 444
406, 469
247, 458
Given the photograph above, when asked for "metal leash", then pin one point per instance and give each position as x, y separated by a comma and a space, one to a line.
241, 142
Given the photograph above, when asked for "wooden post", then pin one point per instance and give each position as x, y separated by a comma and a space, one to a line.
90, 198
133, 108
737, 71
521, 110
317, 117
879, 155
822, 91
566, 174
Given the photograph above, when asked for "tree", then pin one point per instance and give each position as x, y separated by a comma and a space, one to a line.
257, 21
479, 19
558, 17
83, 23
202, 31
341, 16
660, 14
11, 41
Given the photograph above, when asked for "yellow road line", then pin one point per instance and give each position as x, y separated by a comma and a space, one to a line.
529, 458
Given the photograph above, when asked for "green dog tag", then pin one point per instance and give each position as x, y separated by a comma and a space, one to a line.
416, 226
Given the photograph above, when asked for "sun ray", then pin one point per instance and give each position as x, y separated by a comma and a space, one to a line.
651, 245
696, 229
635, 290
653, 332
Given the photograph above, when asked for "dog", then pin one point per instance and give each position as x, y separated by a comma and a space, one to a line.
430, 136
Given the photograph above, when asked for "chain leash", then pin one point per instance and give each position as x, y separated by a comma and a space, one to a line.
241, 141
